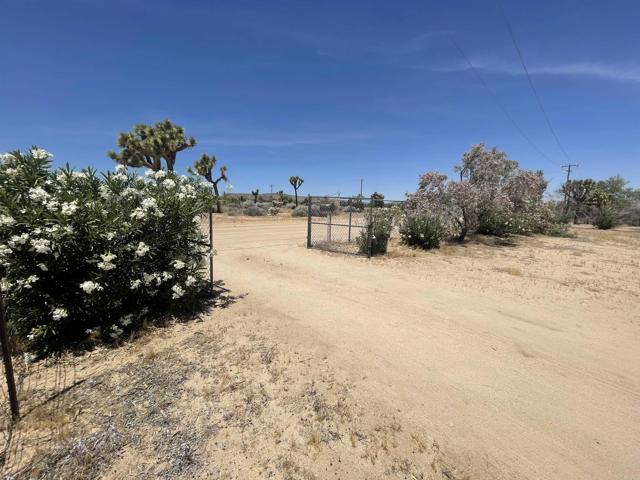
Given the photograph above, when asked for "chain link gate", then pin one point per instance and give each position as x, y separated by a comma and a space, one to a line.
343, 224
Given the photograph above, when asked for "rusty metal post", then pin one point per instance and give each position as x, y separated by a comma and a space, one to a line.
370, 229
8, 365
309, 221
211, 247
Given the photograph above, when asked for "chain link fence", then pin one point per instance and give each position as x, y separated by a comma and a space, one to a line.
344, 224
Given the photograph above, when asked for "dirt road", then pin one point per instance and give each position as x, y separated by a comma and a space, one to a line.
521, 362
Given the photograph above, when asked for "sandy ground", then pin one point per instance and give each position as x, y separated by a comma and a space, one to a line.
482, 361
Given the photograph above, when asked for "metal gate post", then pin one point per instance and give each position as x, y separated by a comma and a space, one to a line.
370, 229
349, 223
309, 221
8, 366
211, 247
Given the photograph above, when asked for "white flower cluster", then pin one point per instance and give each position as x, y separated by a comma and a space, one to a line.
38, 194
69, 208
107, 261
148, 206
66, 220
90, 287
40, 154
159, 175
6, 157
59, 313
6, 220
41, 245
142, 249
178, 291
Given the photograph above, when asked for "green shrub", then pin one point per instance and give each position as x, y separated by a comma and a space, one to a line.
559, 230
500, 223
605, 219
493, 222
424, 231
87, 256
381, 224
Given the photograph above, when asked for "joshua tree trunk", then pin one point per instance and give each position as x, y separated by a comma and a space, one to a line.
296, 194
215, 190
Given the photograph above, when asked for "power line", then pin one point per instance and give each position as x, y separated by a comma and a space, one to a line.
533, 88
497, 100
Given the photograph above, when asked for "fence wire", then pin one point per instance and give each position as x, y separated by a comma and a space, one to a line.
343, 224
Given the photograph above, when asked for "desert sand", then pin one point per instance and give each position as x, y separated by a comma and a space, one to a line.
490, 360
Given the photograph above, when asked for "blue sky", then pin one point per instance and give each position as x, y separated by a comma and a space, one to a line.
330, 91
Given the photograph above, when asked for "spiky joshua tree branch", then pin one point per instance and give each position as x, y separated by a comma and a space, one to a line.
296, 182
147, 145
204, 167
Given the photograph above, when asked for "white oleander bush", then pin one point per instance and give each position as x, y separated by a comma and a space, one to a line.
87, 256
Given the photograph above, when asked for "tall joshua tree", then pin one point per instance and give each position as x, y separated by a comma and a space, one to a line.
296, 182
204, 167
255, 194
147, 145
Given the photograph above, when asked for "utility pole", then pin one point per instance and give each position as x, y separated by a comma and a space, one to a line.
568, 169
271, 187
361, 180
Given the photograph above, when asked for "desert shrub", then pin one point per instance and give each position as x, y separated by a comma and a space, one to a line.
381, 224
290, 206
265, 205
605, 219
300, 211
559, 230
255, 211
324, 209
492, 194
493, 222
87, 256
424, 231
273, 210
503, 223
630, 215
234, 211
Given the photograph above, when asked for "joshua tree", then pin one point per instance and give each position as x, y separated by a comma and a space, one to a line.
204, 167
377, 199
255, 194
147, 145
296, 182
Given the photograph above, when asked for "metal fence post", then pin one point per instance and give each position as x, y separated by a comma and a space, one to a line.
309, 221
211, 247
350, 213
329, 228
370, 229
8, 366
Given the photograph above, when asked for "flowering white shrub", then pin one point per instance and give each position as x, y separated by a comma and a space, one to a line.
492, 195
87, 255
